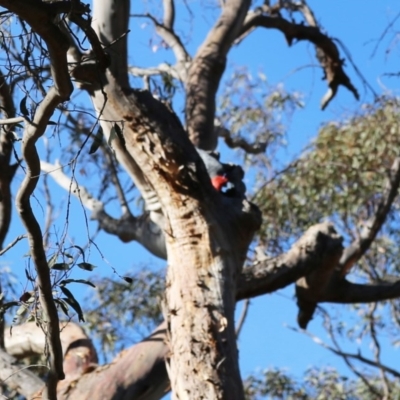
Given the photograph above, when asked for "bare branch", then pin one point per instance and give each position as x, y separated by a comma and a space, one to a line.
326, 50
371, 228
355, 356
144, 376
344, 292
113, 35
243, 316
71, 186
377, 350
15, 120
169, 14
239, 142
37, 15
176, 71
316, 250
28, 339
7, 171
12, 244
31, 135
128, 228
206, 71
170, 37
329, 286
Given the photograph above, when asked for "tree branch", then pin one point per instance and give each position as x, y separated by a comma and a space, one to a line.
206, 71
354, 356
168, 34
127, 228
240, 142
37, 15
317, 250
169, 14
330, 285
7, 171
110, 22
371, 228
326, 50
344, 292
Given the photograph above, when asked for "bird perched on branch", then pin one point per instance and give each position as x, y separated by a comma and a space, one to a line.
223, 175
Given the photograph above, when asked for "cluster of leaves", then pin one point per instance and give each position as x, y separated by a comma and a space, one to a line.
61, 265
249, 107
341, 176
316, 384
121, 312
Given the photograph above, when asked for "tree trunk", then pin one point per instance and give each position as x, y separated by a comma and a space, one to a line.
201, 287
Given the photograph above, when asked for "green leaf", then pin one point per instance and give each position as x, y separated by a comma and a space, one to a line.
97, 140
81, 250
63, 305
52, 260
28, 276
22, 107
68, 255
86, 266
70, 299
60, 266
84, 281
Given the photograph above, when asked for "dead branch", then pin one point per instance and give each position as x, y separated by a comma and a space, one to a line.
240, 142
326, 50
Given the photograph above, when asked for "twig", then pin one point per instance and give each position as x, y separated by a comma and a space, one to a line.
71, 186
15, 120
327, 52
12, 244
170, 38
377, 346
355, 356
243, 316
239, 142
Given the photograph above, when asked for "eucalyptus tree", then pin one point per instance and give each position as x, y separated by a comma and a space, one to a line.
54, 50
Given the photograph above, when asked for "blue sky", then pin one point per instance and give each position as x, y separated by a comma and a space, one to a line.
265, 340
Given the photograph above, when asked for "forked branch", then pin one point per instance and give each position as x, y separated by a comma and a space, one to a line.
326, 50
